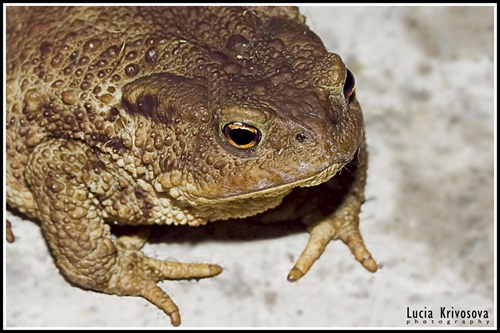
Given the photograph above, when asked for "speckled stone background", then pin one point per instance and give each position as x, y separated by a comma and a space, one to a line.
425, 79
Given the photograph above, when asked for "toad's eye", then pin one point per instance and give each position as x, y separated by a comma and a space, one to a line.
349, 86
241, 135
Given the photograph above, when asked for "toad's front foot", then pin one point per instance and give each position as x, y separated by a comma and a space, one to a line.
137, 275
320, 236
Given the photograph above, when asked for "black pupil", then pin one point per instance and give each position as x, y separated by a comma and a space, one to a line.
241, 137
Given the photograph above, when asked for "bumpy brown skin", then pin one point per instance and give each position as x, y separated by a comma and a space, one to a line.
117, 115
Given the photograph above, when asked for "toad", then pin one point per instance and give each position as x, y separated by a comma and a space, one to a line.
177, 116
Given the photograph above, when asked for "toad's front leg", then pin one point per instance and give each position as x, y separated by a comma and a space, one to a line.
64, 177
341, 223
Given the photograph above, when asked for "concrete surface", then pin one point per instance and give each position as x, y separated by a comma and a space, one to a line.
425, 79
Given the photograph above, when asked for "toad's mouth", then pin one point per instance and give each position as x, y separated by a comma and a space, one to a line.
275, 191
255, 202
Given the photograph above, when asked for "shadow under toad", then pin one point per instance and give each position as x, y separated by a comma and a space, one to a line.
234, 230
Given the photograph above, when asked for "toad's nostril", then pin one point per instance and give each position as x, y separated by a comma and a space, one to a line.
301, 137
